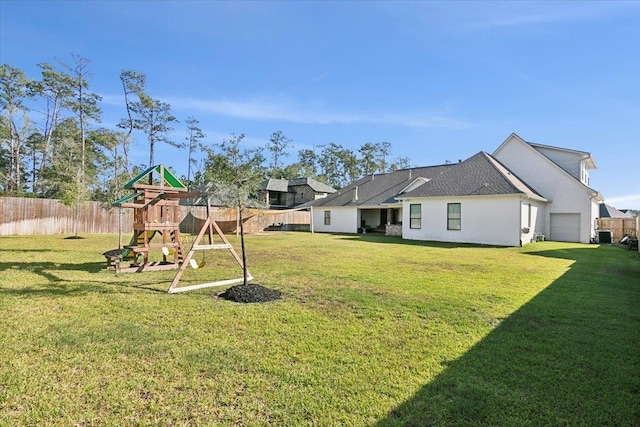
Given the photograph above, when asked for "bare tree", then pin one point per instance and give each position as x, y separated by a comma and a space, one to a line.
132, 86
154, 118
194, 135
55, 89
13, 92
82, 102
85, 105
277, 146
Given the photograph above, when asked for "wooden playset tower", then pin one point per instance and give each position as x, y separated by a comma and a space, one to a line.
156, 221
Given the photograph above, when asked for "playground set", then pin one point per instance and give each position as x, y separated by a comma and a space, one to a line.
155, 199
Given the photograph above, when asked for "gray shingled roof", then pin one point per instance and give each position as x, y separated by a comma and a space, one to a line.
479, 175
276, 184
375, 190
316, 185
607, 211
282, 185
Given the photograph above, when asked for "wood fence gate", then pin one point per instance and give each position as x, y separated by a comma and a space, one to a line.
618, 227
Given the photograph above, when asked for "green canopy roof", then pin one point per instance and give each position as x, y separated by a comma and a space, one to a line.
167, 176
125, 199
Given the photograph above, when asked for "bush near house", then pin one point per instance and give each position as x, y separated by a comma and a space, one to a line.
370, 330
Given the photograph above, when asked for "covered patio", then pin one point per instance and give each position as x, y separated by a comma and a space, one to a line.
386, 221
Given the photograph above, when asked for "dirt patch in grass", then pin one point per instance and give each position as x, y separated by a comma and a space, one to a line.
250, 293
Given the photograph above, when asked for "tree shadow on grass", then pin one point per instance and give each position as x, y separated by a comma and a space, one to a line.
76, 289
570, 356
42, 268
21, 251
64, 286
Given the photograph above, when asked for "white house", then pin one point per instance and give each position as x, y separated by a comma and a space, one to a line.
369, 203
562, 176
520, 192
477, 201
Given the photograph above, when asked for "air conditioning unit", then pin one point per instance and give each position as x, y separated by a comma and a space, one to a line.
605, 236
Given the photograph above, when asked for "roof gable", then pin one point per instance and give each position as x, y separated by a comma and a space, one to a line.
514, 138
276, 184
414, 184
583, 155
317, 186
479, 175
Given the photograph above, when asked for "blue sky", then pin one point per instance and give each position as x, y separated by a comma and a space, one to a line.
441, 81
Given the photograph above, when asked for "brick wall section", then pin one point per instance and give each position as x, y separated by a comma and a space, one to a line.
393, 230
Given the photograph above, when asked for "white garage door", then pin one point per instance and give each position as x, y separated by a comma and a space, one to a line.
565, 227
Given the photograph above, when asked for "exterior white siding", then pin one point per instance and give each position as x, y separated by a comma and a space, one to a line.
490, 220
343, 219
571, 162
566, 194
532, 216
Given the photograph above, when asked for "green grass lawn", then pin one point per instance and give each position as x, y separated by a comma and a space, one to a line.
371, 331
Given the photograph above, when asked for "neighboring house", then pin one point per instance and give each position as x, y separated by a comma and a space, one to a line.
286, 193
512, 197
607, 211
629, 211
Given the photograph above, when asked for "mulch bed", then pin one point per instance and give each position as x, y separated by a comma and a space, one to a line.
250, 293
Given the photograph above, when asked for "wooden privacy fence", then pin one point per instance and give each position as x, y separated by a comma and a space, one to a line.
619, 227
254, 220
24, 216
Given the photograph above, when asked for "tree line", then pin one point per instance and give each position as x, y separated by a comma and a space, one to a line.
52, 144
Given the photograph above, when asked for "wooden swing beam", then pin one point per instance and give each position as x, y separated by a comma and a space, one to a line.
208, 227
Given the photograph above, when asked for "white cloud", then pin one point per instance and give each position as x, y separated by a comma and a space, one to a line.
629, 201
519, 14
285, 110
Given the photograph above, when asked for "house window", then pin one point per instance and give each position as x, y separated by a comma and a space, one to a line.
415, 216
529, 216
327, 217
277, 198
453, 216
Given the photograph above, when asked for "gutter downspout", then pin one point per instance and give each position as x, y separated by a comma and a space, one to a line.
520, 219
312, 227
593, 227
